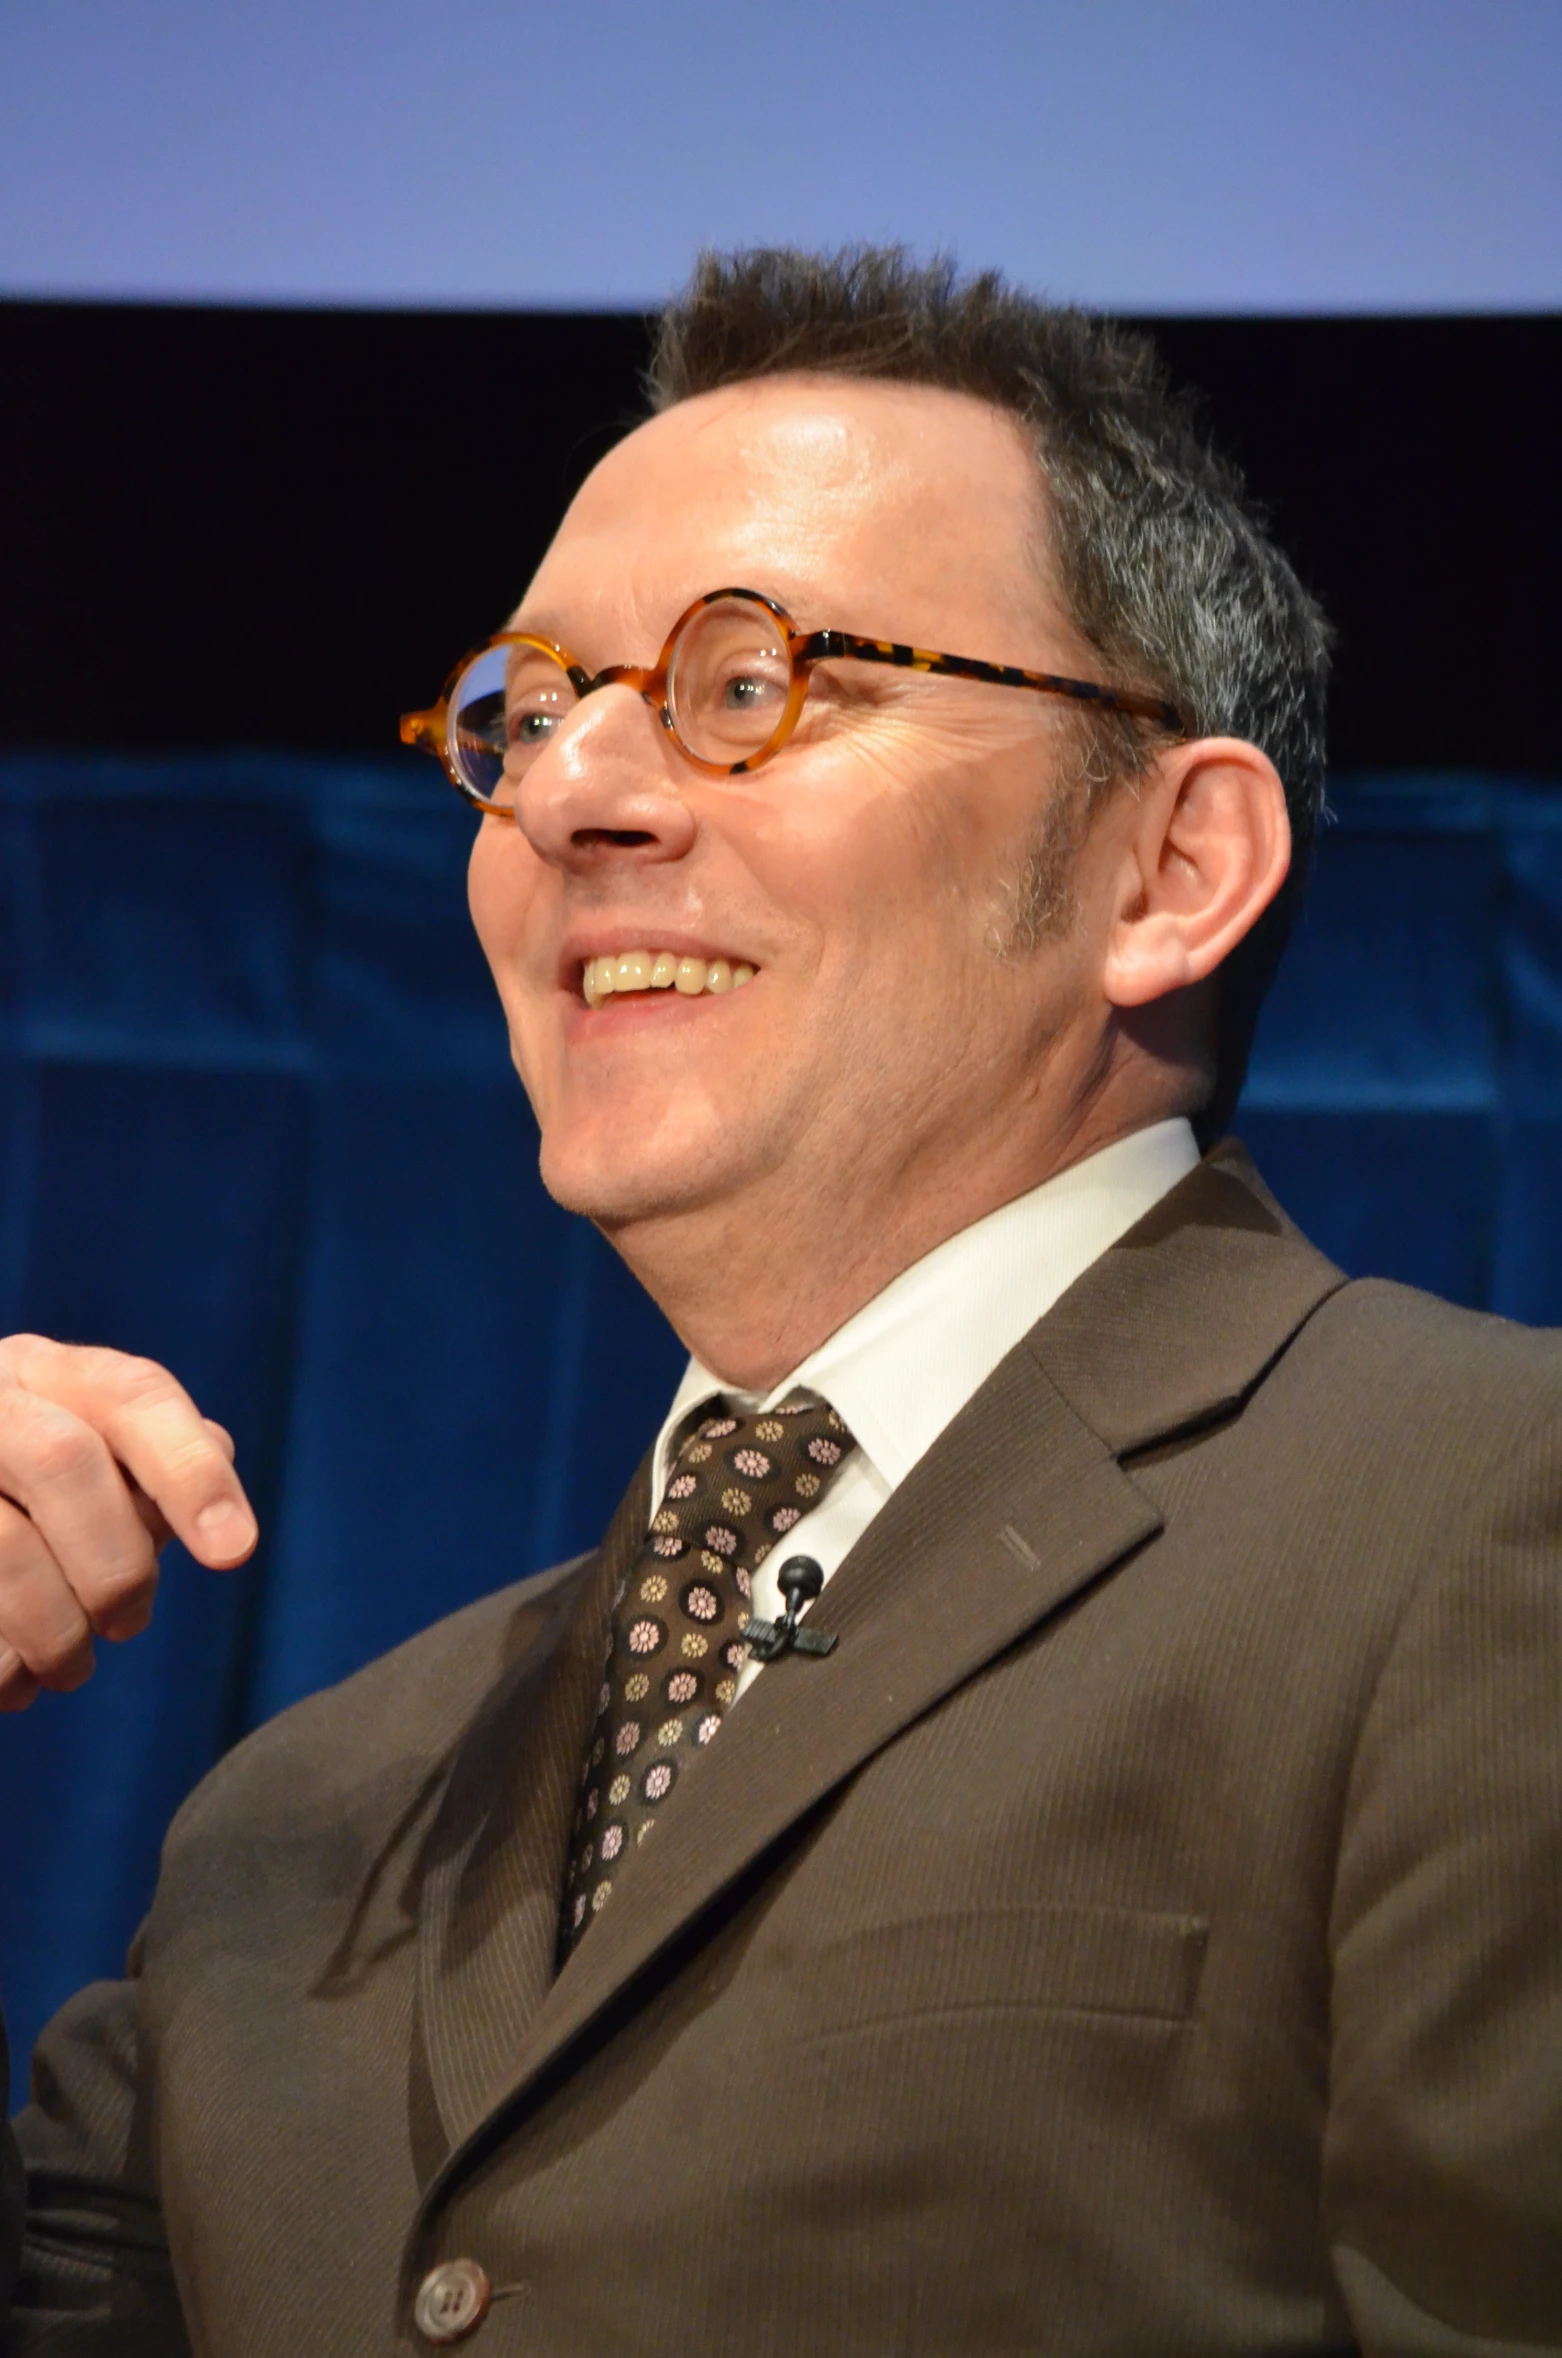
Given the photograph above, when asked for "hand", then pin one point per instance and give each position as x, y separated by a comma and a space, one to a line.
103, 1458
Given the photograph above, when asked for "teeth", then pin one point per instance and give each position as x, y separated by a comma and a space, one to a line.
661, 970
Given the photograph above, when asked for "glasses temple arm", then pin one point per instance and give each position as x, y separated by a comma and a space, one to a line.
819, 645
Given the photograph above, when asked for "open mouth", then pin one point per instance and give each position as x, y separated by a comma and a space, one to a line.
660, 970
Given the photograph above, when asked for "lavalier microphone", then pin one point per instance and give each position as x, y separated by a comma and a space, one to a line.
800, 1580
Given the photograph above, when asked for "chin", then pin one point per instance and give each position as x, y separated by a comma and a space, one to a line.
623, 1174
615, 1190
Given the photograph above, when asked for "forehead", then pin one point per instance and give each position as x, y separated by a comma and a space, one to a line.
892, 509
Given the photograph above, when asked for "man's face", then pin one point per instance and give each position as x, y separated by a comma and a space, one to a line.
867, 873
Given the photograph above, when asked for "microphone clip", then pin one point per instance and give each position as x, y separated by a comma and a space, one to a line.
800, 1580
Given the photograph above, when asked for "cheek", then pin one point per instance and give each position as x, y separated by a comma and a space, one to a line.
855, 850
502, 883
934, 817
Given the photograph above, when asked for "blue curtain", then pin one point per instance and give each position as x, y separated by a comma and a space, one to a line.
257, 1119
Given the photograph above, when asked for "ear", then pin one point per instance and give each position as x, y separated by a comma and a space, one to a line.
1207, 848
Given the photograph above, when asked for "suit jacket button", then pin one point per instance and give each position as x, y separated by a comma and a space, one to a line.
452, 2299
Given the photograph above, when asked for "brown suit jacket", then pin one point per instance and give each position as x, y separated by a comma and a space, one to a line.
1142, 1935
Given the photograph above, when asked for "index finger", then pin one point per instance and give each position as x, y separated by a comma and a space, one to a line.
154, 1428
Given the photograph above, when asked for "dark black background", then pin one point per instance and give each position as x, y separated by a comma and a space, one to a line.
228, 527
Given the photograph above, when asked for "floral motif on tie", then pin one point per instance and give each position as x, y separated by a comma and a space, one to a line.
675, 1646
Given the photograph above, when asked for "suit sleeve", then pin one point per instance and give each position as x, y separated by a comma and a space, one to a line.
82, 2228
1443, 2154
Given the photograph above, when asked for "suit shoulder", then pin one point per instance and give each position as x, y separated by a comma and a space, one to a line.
1425, 1376
1377, 1324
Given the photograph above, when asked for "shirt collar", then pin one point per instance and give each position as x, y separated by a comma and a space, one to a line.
903, 1366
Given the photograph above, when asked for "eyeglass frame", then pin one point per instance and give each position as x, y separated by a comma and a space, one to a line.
429, 729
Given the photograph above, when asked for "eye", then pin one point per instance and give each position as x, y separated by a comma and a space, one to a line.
746, 692
537, 698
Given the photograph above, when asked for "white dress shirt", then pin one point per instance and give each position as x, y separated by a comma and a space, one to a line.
905, 1365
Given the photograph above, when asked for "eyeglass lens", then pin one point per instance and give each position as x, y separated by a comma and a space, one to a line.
728, 680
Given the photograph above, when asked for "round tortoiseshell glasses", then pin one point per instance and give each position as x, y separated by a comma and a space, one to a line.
728, 687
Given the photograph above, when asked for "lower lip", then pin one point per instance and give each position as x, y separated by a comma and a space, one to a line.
617, 1016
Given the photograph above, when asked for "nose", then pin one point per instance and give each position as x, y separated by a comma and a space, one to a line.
608, 790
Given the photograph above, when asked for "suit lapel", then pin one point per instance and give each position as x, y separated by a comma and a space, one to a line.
990, 1534
495, 1861
1181, 1319
1018, 1505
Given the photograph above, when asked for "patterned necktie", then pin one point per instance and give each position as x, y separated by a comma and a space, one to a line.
676, 1645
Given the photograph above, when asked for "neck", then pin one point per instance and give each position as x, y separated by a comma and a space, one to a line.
753, 1284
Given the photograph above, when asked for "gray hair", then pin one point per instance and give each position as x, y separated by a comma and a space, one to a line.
1165, 563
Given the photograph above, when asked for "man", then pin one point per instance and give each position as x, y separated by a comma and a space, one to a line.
1129, 1922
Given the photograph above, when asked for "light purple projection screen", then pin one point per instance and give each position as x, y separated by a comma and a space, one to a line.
1149, 155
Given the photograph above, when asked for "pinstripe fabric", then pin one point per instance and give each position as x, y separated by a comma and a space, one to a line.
1140, 1936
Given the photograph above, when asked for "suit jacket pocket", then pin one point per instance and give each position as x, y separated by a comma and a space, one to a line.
1102, 1961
